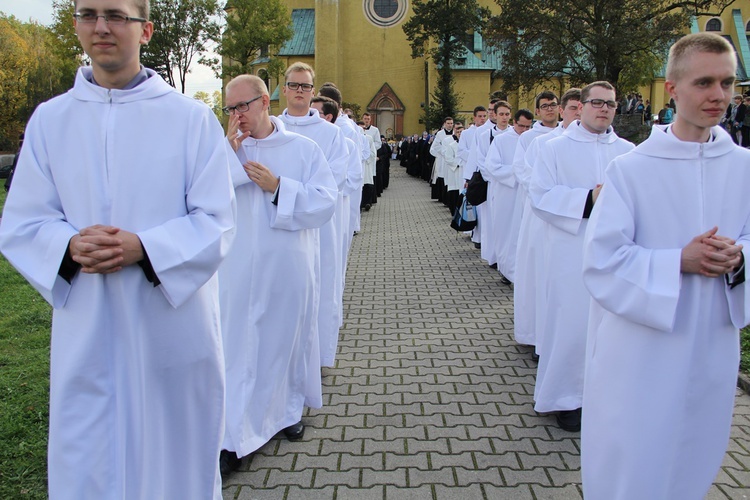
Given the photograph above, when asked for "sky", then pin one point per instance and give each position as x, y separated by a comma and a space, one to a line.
200, 78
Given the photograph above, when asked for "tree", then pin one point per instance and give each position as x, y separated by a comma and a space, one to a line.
182, 31
62, 26
253, 27
213, 101
14, 66
32, 70
438, 28
621, 41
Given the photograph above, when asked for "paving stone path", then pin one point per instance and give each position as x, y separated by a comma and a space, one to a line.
430, 397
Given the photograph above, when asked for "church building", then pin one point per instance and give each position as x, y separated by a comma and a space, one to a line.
361, 47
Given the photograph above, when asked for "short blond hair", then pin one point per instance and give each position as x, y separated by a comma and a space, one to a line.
251, 81
299, 66
696, 42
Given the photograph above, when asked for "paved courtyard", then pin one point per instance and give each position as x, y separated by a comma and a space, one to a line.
430, 397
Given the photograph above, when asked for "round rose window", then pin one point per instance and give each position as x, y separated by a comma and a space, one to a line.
385, 12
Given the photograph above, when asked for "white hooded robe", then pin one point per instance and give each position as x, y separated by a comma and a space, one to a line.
269, 291
136, 372
567, 168
663, 346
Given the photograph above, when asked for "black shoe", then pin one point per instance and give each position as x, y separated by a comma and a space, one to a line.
368, 207
478, 245
534, 357
493, 266
295, 432
228, 462
569, 420
504, 280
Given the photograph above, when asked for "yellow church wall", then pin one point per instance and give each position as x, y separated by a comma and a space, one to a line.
360, 57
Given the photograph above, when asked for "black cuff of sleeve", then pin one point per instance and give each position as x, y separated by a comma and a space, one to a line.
148, 269
589, 204
738, 277
275, 199
68, 267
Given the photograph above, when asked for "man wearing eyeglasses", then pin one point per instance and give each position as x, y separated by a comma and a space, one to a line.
121, 212
268, 282
534, 234
565, 183
300, 118
528, 255
499, 171
664, 263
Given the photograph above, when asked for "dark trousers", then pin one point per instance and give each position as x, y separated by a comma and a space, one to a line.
452, 200
368, 193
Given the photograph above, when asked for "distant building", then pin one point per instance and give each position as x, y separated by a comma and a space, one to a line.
360, 45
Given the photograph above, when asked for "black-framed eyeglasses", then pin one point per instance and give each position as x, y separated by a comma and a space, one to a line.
551, 105
240, 107
599, 103
306, 87
112, 18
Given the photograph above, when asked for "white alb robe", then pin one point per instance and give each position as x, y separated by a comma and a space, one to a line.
354, 180
465, 143
269, 290
663, 346
137, 374
479, 155
468, 171
567, 168
368, 166
452, 172
502, 190
527, 255
331, 141
436, 150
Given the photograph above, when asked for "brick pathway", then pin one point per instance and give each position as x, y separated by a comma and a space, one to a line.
431, 397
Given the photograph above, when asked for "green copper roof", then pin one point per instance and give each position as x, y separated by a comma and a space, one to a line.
303, 41
276, 92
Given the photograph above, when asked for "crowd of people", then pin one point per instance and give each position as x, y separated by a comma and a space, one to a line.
624, 263
197, 277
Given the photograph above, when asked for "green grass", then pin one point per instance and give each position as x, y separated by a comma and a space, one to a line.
24, 385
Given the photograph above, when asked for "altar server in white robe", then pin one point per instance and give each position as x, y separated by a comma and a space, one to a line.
535, 237
527, 256
437, 180
665, 264
565, 183
468, 139
354, 176
368, 169
300, 118
502, 111
471, 167
329, 110
121, 211
285, 193
453, 178
498, 168
477, 157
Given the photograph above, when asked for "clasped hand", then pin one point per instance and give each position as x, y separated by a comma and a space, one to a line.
105, 249
711, 255
261, 175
